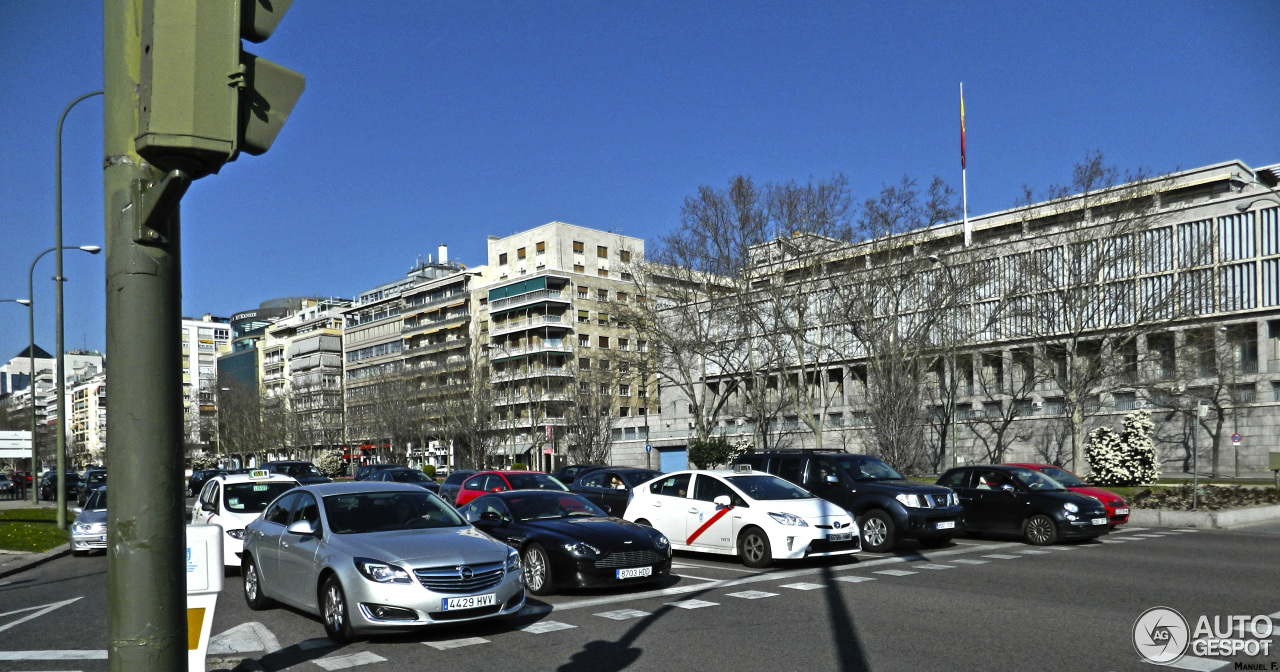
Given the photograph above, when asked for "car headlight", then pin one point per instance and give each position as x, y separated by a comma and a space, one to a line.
236, 534
661, 542
789, 519
582, 549
1071, 507
910, 501
955, 499
88, 528
381, 572
513, 560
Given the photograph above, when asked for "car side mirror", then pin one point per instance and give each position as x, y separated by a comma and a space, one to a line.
722, 502
1008, 488
302, 528
77, 510
497, 489
488, 519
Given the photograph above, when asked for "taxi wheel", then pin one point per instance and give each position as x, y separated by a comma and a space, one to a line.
333, 608
1040, 530
253, 596
537, 571
877, 531
753, 546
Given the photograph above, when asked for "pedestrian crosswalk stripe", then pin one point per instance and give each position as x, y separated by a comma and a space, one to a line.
348, 661
966, 561
456, 643
692, 604
546, 626
622, 614
934, 566
894, 572
803, 586
1112, 541
854, 579
1186, 530
752, 594
1033, 551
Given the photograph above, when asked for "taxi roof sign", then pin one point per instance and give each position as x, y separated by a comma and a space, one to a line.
259, 473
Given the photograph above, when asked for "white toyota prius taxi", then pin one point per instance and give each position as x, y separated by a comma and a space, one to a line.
751, 514
231, 502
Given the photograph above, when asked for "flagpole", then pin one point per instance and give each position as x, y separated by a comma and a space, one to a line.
964, 181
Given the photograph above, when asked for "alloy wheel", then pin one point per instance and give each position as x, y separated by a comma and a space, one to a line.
251, 582
1039, 530
333, 608
874, 531
535, 570
753, 548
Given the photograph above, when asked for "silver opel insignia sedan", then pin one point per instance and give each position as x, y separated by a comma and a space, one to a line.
372, 557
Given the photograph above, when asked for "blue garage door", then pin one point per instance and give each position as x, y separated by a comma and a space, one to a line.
673, 460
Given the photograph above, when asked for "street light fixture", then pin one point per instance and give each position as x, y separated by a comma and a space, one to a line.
31, 358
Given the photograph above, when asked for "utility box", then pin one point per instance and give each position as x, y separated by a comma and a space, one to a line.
204, 582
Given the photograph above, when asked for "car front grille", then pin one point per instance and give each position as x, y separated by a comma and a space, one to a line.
936, 501
449, 579
630, 559
465, 613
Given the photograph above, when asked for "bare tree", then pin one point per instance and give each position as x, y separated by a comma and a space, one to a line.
589, 420
467, 414
240, 429
1006, 386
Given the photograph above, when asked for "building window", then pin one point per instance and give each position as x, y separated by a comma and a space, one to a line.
625, 276
604, 273
624, 411
642, 346
602, 252
624, 366
502, 259
582, 292
584, 341
624, 343
604, 364
624, 256
643, 410
624, 390
603, 319
602, 295
584, 363
541, 247
620, 297
604, 342
584, 388
520, 253
579, 268
584, 316
604, 389
578, 247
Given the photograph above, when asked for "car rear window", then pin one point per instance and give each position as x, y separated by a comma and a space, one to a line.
534, 482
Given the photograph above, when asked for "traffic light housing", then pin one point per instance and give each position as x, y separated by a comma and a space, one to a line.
203, 99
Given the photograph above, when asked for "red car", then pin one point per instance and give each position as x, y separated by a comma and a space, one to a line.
1117, 508
485, 482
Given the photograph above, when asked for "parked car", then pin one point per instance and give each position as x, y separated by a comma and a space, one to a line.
771, 518
6, 486
18, 475
568, 474
1117, 508
235, 500
49, 485
405, 475
92, 480
565, 540
305, 473
89, 529
377, 557
364, 471
889, 508
198, 478
452, 485
610, 488
1003, 499
498, 481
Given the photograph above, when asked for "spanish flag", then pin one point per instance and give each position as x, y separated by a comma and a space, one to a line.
962, 126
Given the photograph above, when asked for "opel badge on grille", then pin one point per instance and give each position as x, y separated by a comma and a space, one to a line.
465, 573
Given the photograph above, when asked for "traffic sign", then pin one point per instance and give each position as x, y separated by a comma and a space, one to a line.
648, 448
1235, 438
548, 451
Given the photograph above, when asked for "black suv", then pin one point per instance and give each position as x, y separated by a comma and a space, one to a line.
49, 485
92, 480
305, 473
888, 507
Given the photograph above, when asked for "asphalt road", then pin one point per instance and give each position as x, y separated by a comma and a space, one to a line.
981, 604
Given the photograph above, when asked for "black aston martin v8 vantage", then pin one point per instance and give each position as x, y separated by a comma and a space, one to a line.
565, 540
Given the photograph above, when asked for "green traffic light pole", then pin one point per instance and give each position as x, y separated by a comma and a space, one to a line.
61, 381
146, 580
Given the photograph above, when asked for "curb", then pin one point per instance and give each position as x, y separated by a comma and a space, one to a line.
1208, 520
34, 560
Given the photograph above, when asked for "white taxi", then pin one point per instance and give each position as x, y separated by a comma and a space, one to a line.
752, 514
233, 501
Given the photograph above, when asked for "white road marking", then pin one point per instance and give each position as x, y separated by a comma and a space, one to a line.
244, 638
546, 626
1137, 538
723, 569
1061, 548
854, 579
456, 643
692, 604
752, 594
1135, 529
935, 566
1112, 541
1001, 556
87, 654
1185, 530
1195, 664
623, 614
349, 661
1148, 536
695, 578
966, 561
894, 572
1033, 551
681, 565
39, 611
803, 586
1276, 615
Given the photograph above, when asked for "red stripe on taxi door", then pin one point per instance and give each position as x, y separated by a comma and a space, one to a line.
697, 533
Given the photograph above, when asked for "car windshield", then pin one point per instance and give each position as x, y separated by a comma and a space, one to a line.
254, 497
545, 506
1064, 477
299, 470
634, 478
768, 487
534, 482
1035, 480
868, 469
97, 501
364, 512
409, 476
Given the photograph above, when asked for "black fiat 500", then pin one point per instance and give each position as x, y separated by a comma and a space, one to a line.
565, 540
1016, 500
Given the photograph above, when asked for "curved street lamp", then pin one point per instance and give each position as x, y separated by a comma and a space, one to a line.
31, 357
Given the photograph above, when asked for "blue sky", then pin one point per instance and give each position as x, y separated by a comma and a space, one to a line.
444, 122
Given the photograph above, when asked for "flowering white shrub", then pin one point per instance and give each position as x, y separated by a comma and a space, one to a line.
1124, 459
331, 464
203, 461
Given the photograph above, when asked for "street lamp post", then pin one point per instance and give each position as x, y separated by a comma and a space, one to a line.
60, 374
31, 358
